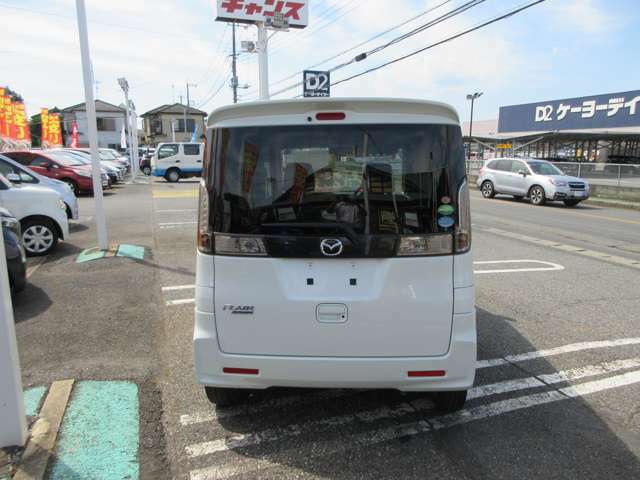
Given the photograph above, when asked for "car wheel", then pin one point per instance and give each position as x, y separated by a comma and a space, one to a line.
73, 185
572, 203
487, 189
39, 236
537, 196
146, 170
173, 175
226, 397
448, 402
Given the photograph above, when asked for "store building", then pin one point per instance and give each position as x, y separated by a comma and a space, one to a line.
599, 128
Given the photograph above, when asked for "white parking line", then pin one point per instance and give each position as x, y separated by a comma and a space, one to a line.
405, 408
424, 426
572, 347
167, 224
182, 301
177, 210
178, 287
548, 266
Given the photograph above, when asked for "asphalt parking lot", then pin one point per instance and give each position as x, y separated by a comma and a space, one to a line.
557, 392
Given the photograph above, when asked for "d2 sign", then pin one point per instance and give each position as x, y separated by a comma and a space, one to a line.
316, 84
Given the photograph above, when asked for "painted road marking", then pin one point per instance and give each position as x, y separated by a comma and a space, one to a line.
570, 348
100, 433
178, 287
549, 266
296, 399
177, 194
567, 212
177, 210
402, 409
32, 400
44, 433
165, 224
467, 415
182, 301
627, 262
34, 264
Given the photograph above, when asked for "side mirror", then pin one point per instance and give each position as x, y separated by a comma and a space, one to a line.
14, 178
49, 166
523, 172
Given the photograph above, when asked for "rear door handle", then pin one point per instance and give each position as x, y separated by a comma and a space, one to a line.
177, 161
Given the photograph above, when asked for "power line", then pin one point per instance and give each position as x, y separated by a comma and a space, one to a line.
218, 90
381, 34
448, 39
215, 59
364, 55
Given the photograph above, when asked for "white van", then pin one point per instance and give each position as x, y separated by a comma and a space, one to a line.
334, 250
174, 161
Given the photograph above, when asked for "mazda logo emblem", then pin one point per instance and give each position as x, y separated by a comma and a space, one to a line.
331, 247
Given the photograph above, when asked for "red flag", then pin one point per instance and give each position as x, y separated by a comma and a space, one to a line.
75, 136
44, 120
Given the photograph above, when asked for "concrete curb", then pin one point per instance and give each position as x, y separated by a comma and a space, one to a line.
606, 202
44, 433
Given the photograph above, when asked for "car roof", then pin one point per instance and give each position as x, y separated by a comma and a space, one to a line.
395, 110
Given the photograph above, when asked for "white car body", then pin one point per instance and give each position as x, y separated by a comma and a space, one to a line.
26, 201
179, 157
30, 177
405, 315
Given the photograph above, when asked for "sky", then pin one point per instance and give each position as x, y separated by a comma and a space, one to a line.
557, 49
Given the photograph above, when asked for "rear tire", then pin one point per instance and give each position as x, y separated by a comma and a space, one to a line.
146, 170
537, 196
572, 203
172, 175
448, 402
487, 189
227, 397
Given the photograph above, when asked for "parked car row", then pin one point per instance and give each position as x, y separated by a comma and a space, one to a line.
38, 191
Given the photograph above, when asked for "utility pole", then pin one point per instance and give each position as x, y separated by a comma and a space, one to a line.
472, 97
101, 223
186, 131
263, 61
234, 76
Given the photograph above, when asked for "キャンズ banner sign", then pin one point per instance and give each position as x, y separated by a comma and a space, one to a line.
296, 12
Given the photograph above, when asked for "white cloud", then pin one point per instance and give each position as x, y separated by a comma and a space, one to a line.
587, 16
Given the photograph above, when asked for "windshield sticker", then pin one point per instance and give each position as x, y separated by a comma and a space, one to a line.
445, 210
446, 222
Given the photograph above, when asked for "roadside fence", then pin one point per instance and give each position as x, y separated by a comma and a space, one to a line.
613, 174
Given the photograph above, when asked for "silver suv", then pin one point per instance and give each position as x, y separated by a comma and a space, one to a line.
538, 180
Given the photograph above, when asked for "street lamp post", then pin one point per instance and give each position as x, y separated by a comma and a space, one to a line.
472, 97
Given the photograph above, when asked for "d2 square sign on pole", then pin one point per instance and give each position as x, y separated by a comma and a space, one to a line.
316, 84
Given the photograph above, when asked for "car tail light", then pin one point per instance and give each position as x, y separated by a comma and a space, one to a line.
205, 235
463, 228
426, 373
241, 371
425, 245
330, 116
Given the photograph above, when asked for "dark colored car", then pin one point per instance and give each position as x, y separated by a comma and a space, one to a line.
145, 166
14, 251
59, 165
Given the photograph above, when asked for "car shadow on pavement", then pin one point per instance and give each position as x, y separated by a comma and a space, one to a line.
29, 303
527, 432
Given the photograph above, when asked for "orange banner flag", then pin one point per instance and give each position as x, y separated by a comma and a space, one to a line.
55, 133
2, 119
44, 123
20, 121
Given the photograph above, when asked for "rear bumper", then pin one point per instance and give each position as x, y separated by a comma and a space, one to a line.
337, 372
